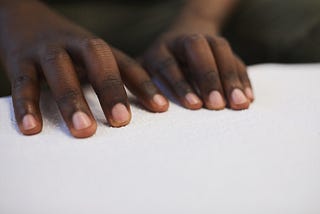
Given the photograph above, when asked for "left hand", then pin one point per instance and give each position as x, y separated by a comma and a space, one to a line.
199, 67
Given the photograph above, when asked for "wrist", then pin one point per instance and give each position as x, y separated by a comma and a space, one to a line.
194, 17
207, 13
190, 23
192, 20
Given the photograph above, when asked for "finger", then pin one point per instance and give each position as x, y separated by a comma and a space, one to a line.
104, 75
227, 66
203, 70
140, 84
244, 78
63, 82
161, 63
25, 97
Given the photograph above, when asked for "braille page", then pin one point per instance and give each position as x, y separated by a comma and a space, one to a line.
262, 160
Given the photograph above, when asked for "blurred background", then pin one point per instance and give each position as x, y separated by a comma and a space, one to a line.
259, 31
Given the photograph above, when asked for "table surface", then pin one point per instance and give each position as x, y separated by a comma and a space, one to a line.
262, 160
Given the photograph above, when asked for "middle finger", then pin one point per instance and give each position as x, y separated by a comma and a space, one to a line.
203, 70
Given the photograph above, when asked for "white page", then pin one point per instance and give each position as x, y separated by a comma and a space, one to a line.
265, 160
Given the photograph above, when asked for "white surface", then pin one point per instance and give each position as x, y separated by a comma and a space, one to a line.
265, 160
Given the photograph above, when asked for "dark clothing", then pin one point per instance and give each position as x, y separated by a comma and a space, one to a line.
286, 31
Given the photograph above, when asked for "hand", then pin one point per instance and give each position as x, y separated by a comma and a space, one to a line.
199, 66
38, 44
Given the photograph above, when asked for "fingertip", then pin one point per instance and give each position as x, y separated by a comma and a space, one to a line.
85, 133
83, 125
243, 106
120, 115
238, 100
157, 104
30, 125
215, 101
160, 103
192, 101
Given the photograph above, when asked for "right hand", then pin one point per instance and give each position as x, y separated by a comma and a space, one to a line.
38, 44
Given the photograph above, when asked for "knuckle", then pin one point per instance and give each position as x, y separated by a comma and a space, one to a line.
21, 81
210, 76
95, 44
111, 92
230, 79
229, 75
111, 84
99, 49
23, 103
165, 64
219, 42
210, 81
52, 54
182, 87
67, 97
112, 81
194, 39
148, 87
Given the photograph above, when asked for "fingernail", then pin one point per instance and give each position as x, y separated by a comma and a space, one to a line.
249, 93
29, 122
238, 97
159, 100
81, 120
192, 99
216, 100
120, 113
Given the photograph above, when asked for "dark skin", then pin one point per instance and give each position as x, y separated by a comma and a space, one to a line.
196, 63
39, 45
